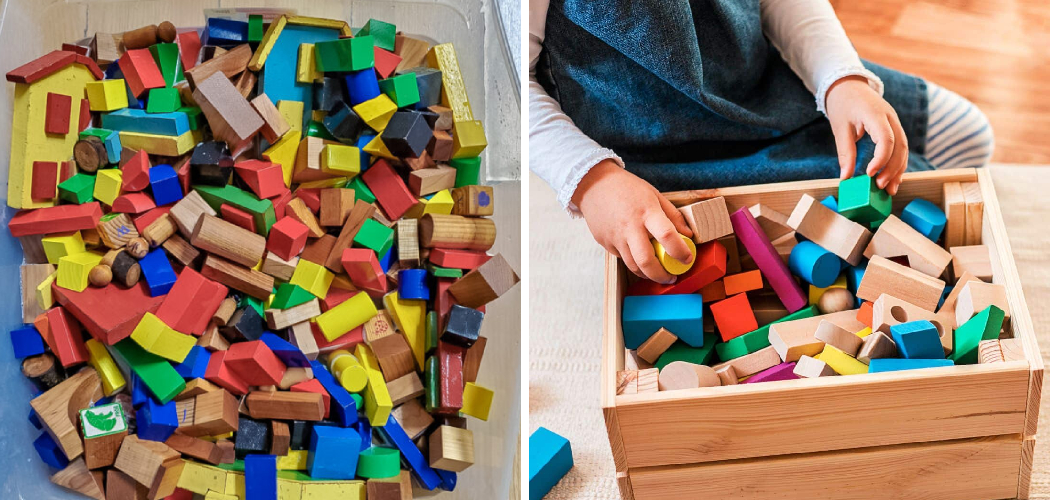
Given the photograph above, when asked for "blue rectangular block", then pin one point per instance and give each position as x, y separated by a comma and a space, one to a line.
26, 342
682, 314
288, 353
225, 32
277, 78
365, 430
139, 392
195, 364
49, 451
448, 479
925, 217
34, 419
260, 477
362, 86
366, 159
917, 340
138, 120
343, 408
158, 272
550, 458
333, 452
897, 364
164, 182
156, 421
394, 435
387, 259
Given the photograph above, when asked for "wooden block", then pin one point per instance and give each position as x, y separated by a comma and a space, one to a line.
626, 382
249, 281
228, 240
116, 231
181, 251
58, 219
104, 428
773, 268
975, 259
335, 206
408, 386
743, 282
842, 363
287, 238
456, 232
152, 464
828, 229
197, 448
278, 267
77, 477
231, 63
708, 219
361, 212
451, 448
274, 125
112, 379
955, 210
1012, 349
651, 349
793, 339
885, 276
947, 311
394, 355
298, 210
472, 360
809, 367
753, 363
989, 351
682, 375
188, 211
648, 380
426, 181
408, 242
65, 337
413, 418
895, 238
32, 276
107, 48
974, 212
301, 336
773, 223
889, 311
231, 117
121, 485
844, 340
484, 284
733, 316
278, 319
282, 405
214, 413
140, 71
877, 345
975, 296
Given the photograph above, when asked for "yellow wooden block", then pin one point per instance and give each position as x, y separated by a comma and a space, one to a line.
162, 145
73, 270
99, 359
306, 69
842, 363
377, 398
235, 484
228, 435
313, 278
266, 45
292, 112
294, 460
334, 182
201, 479
106, 95
158, 338
468, 139
289, 489
338, 159
477, 401
815, 293
44, 298
284, 151
107, 185
417, 210
440, 203
341, 490
453, 90
348, 370
410, 317
318, 115
376, 147
214, 495
61, 245
376, 112
864, 333
350, 314
671, 264
320, 22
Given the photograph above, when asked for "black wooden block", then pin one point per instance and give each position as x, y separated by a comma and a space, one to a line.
253, 436
300, 432
329, 93
429, 82
245, 323
343, 123
407, 134
211, 164
463, 326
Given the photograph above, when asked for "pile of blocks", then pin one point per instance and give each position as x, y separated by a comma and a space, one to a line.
255, 261
842, 286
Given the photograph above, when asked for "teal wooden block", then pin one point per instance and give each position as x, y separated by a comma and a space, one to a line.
925, 217
917, 340
680, 351
896, 364
138, 120
402, 89
164, 100
277, 79
345, 54
382, 32
984, 326
550, 459
861, 200
682, 314
109, 138
814, 264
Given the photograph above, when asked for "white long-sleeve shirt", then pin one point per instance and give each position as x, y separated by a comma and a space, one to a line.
806, 32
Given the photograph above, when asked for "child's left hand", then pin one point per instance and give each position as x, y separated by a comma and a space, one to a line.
854, 108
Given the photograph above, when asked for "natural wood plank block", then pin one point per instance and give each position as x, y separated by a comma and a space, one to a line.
895, 238
885, 276
651, 349
841, 338
753, 363
973, 259
808, 367
989, 351
404, 388
282, 405
648, 380
230, 63
78, 478
975, 296
708, 219
150, 463
828, 229
626, 382
772, 222
335, 206
247, 280
955, 209
408, 242
231, 118
974, 213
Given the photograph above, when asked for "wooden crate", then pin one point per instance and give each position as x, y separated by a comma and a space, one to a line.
961, 432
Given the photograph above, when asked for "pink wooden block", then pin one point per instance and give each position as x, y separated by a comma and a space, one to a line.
768, 260
783, 371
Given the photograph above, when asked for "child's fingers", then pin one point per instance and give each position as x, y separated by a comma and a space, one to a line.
625, 255
882, 135
898, 162
645, 258
846, 145
676, 217
664, 231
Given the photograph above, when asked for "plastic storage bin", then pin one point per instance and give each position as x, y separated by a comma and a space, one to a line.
31, 28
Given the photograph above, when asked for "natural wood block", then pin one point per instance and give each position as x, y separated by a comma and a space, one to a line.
809, 367
828, 229
244, 279
335, 206
974, 259
651, 349
974, 213
885, 276
231, 118
484, 284
989, 351
229, 241
214, 413
753, 363
414, 419
404, 388
32, 276
648, 380
1012, 350
955, 210
708, 219
279, 268
889, 311
451, 448
431, 180
877, 345
473, 201
472, 360
456, 232
626, 382
274, 125
182, 251
188, 210
279, 319
151, 464
361, 212
895, 238
975, 296
844, 340
408, 242
57, 409
117, 231
77, 477
200, 449
682, 375
727, 375
773, 223
286, 405
395, 356
793, 339
121, 485
230, 63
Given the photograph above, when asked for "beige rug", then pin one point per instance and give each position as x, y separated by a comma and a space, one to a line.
565, 314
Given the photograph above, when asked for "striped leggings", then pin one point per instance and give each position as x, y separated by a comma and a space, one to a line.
958, 134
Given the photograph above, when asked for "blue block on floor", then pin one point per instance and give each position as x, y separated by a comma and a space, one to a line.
26, 342
814, 264
925, 217
394, 435
917, 340
682, 314
195, 364
50, 452
412, 284
164, 183
333, 452
550, 458
158, 272
290, 355
155, 421
343, 408
897, 364
260, 477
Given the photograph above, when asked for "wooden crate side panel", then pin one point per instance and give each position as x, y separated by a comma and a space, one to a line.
623, 482
970, 469
1024, 476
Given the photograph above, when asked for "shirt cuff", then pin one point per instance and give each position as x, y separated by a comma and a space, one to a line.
576, 173
822, 90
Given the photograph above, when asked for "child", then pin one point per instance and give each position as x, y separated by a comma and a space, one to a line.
631, 97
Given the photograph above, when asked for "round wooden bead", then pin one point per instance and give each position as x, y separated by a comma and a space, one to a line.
138, 247
166, 32
684, 375
100, 275
814, 264
835, 300
671, 264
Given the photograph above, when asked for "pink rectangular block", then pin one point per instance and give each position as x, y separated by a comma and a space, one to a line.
783, 371
768, 260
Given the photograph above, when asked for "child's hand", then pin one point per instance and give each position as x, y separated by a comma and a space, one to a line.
854, 108
623, 212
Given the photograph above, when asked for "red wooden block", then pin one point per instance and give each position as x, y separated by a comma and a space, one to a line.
59, 219
79, 49
219, 373
710, 264
254, 363
287, 238
66, 170
314, 386
56, 117
280, 202
67, 341
390, 191
734, 316
41, 324
85, 116
189, 48
135, 172
238, 217
864, 314
450, 368
458, 259
108, 313
143, 221
443, 301
386, 62
191, 302
41, 66
265, 179
362, 265
140, 71
90, 65
134, 203
182, 170
180, 494
348, 340
45, 180
312, 198
336, 296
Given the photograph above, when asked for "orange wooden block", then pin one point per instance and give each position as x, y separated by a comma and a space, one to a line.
716, 290
743, 282
734, 316
864, 314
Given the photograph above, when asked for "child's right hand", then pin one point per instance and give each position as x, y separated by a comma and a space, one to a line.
624, 212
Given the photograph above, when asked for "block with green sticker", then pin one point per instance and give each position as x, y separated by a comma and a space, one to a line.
381, 32
468, 170
163, 100
167, 57
290, 295
402, 89
255, 28
155, 372
261, 210
861, 200
78, 189
680, 351
103, 420
345, 54
375, 236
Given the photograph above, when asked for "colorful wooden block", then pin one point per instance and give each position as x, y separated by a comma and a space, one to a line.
333, 453
57, 113
842, 363
550, 459
670, 264
390, 191
986, 325
26, 341
768, 260
260, 477
156, 422
925, 217
733, 316
468, 139
156, 373
376, 112
61, 245
254, 363
140, 71
108, 185
401, 89
73, 270
682, 314
157, 270
154, 336
99, 358
106, 95
264, 178
814, 264
861, 200
897, 364
287, 239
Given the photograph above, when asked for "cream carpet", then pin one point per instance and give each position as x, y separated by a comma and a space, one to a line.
565, 314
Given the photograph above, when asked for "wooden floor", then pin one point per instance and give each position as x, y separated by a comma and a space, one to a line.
995, 53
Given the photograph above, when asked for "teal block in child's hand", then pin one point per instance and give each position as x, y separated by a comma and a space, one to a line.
861, 200
896, 364
925, 217
550, 458
682, 314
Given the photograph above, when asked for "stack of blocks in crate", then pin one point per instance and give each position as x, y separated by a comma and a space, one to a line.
255, 261
885, 292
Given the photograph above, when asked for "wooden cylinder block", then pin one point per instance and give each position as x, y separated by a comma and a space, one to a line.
216, 236
90, 154
456, 232
140, 38
160, 230
43, 371
682, 375
126, 269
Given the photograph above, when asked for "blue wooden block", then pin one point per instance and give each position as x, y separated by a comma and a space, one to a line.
165, 184
897, 364
854, 275
113, 72
138, 120
110, 138
260, 477
814, 264
364, 429
139, 392
343, 408
925, 217
333, 452
831, 203
917, 340
944, 295
394, 435
387, 259
26, 342
225, 32
448, 479
288, 353
156, 421
195, 364
362, 86
50, 452
277, 79
412, 284
34, 419
366, 159
550, 458
158, 272
682, 314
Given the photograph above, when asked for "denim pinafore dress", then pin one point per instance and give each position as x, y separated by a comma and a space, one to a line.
692, 95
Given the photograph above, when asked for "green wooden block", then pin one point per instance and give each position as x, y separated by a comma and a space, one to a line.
379, 462
468, 170
861, 200
167, 57
357, 399
345, 54
443, 272
163, 100
375, 236
381, 31
261, 210
156, 372
361, 191
78, 189
984, 326
294, 475
402, 89
254, 303
195, 116
432, 332
317, 129
289, 295
431, 384
680, 351
255, 28
758, 339
101, 133
236, 466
